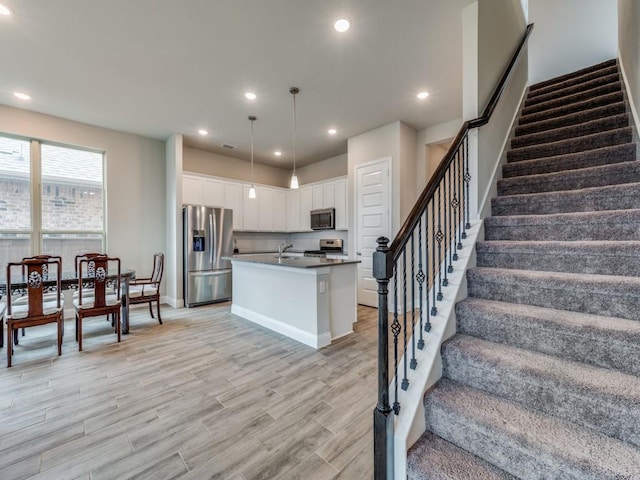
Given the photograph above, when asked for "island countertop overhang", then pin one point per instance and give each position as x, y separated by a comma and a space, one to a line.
292, 261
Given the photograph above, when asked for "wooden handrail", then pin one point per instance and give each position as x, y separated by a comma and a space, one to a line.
404, 234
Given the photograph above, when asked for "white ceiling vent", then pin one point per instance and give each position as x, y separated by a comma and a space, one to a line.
228, 145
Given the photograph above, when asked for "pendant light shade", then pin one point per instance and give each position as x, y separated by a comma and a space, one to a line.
294, 178
252, 190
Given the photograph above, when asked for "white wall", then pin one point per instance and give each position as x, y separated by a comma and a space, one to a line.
316, 172
436, 135
571, 34
209, 163
629, 46
134, 180
173, 257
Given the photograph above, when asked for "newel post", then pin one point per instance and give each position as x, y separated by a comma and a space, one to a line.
383, 415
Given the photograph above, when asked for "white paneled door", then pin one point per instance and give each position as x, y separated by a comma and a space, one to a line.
373, 203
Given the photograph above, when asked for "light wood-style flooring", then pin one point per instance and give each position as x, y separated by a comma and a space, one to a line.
206, 395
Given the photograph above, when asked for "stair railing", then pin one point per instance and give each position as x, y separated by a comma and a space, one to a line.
430, 236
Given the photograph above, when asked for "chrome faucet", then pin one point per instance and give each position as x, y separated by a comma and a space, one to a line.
283, 248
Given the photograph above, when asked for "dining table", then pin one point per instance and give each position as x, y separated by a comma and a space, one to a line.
70, 281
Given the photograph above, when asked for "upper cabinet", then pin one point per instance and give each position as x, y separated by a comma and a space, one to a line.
274, 209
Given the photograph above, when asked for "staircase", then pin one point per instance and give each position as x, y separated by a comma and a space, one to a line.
542, 379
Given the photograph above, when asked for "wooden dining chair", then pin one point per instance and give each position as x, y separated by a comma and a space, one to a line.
40, 308
100, 301
147, 290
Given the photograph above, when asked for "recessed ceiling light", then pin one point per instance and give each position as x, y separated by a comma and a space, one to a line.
332, 131
250, 96
277, 153
202, 131
22, 96
423, 95
341, 25
4, 10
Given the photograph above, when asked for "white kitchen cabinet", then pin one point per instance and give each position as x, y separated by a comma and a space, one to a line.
233, 200
340, 203
294, 217
279, 210
328, 195
265, 208
213, 192
317, 197
251, 209
191, 190
306, 205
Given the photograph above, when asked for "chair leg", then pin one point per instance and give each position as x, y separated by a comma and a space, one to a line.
151, 310
118, 326
159, 318
79, 332
9, 344
60, 334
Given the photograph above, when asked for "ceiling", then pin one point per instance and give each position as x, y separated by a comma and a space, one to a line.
159, 67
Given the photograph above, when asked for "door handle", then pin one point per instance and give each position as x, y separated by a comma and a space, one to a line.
359, 254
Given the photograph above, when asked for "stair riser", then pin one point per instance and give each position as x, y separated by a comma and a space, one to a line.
579, 262
567, 202
572, 119
558, 231
607, 299
600, 412
561, 111
551, 339
563, 133
573, 99
594, 158
574, 145
496, 447
581, 79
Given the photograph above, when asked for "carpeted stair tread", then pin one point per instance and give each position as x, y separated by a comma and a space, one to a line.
607, 295
625, 152
432, 458
587, 127
607, 342
582, 143
535, 90
556, 103
523, 442
567, 90
571, 119
599, 176
592, 226
578, 74
574, 107
594, 258
612, 197
603, 400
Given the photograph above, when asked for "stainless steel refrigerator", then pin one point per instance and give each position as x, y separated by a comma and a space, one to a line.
207, 239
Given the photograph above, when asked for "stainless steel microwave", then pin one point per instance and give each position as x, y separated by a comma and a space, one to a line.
323, 219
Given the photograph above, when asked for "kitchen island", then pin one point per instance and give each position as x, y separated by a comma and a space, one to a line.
309, 299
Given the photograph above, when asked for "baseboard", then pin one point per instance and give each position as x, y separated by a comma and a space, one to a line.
315, 341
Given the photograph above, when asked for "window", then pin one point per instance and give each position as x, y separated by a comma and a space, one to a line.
69, 218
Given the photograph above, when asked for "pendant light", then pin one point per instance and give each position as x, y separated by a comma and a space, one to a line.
294, 178
252, 190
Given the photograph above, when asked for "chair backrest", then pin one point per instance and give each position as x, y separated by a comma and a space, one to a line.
158, 268
34, 272
96, 270
84, 256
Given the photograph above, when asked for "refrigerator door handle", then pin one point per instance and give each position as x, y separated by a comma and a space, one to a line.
212, 242
210, 273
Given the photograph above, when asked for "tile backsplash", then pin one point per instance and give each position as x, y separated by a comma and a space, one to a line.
247, 242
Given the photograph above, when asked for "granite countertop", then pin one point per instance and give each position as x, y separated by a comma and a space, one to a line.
290, 261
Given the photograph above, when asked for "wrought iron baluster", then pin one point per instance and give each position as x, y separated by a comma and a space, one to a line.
454, 206
458, 168
434, 309
439, 238
451, 233
414, 362
405, 380
445, 260
420, 278
395, 329
467, 179
427, 325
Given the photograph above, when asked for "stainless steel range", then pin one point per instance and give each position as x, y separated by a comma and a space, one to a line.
326, 246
